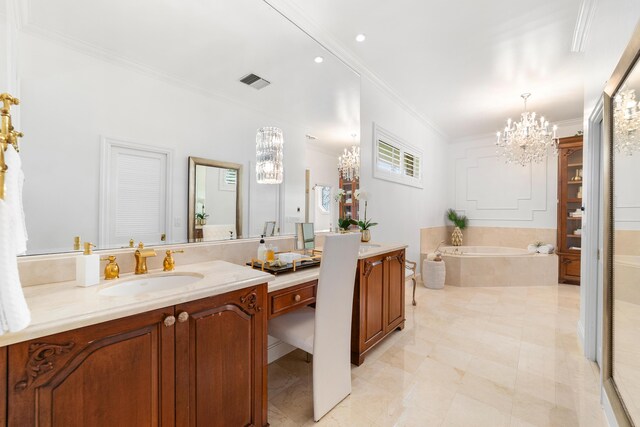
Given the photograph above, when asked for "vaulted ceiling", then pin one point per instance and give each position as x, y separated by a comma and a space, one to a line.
463, 64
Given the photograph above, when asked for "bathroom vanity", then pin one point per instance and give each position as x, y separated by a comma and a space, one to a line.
198, 361
192, 351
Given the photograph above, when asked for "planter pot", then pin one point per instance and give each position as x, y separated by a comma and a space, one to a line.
366, 235
203, 222
456, 237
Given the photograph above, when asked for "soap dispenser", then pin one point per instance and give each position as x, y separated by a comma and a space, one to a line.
88, 267
262, 250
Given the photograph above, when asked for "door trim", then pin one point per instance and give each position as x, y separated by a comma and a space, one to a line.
107, 144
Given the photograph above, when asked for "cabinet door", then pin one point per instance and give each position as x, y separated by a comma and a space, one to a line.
394, 291
372, 294
221, 360
118, 373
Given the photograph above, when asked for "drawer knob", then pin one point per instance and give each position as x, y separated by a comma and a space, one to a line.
169, 321
297, 298
183, 317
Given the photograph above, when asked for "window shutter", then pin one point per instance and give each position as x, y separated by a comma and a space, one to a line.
388, 157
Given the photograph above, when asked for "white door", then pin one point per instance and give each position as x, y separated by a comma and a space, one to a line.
600, 246
135, 196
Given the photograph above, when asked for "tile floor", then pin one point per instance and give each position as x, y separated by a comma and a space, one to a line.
467, 357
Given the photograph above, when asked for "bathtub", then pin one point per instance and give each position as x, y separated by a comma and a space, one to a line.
471, 266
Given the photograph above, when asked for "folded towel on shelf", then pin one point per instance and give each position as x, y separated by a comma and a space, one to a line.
14, 313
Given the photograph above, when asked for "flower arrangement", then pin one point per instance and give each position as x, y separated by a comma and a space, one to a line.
339, 195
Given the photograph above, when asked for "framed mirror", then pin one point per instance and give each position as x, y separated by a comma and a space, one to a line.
269, 228
621, 352
215, 200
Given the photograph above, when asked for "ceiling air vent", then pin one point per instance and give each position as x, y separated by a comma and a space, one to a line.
254, 81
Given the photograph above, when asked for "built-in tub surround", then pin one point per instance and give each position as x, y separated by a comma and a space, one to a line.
498, 266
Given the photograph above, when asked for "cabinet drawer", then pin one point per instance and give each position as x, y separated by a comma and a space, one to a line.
286, 300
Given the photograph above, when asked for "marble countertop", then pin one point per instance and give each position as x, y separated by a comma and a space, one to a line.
64, 306
367, 250
60, 307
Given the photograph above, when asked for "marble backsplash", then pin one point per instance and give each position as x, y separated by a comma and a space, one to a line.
487, 236
41, 269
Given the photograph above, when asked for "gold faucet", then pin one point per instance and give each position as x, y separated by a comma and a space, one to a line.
8, 135
112, 270
169, 264
141, 255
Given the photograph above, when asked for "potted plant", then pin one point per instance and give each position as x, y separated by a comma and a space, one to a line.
367, 223
201, 217
460, 222
345, 223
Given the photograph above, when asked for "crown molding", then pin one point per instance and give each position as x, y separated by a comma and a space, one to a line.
322, 36
583, 25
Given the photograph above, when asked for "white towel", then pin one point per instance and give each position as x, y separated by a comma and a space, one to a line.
546, 249
14, 313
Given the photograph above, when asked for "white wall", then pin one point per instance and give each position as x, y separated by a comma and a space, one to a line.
400, 210
71, 98
495, 194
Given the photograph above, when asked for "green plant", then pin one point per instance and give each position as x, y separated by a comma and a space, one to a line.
345, 223
366, 224
460, 221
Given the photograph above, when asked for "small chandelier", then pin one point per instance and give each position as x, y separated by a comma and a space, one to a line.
626, 119
349, 164
269, 144
528, 140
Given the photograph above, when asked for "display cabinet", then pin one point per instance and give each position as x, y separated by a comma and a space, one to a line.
570, 167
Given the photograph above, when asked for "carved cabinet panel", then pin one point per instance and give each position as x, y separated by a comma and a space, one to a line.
199, 363
221, 352
115, 373
378, 303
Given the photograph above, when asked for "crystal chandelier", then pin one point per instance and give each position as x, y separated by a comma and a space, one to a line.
349, 164
269, 142
626, 119
528, 140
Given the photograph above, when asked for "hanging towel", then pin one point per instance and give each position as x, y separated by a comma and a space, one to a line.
14, 313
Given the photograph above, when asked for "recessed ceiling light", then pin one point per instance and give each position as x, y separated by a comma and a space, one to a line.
319, 59
361, 38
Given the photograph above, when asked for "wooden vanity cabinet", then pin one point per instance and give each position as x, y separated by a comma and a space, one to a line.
198, 363
221, 354
118, 373
378, 303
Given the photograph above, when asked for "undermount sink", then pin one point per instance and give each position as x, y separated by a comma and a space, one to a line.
150, 284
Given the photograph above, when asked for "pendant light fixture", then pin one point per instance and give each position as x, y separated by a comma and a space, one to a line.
269, 155
528, 140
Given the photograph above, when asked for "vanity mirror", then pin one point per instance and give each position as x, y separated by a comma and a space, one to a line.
112, 106
215, 200
621, 348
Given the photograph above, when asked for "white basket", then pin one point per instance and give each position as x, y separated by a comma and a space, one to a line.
434, 274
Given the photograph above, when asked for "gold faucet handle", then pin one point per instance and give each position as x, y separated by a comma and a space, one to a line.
112, 270
132, 243
169, 263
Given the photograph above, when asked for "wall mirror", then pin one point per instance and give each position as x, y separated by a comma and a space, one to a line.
112, 106
305, 236
622, 278
215, 200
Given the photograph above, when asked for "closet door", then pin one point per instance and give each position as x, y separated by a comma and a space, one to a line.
134, 194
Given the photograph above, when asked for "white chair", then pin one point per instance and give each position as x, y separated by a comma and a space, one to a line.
326, 331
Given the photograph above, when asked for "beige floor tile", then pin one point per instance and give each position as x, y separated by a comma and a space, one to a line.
467, 357
466, 411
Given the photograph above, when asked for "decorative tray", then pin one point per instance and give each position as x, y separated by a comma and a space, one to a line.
276, 268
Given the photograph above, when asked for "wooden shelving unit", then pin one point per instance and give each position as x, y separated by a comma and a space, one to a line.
570, 163
348, 207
